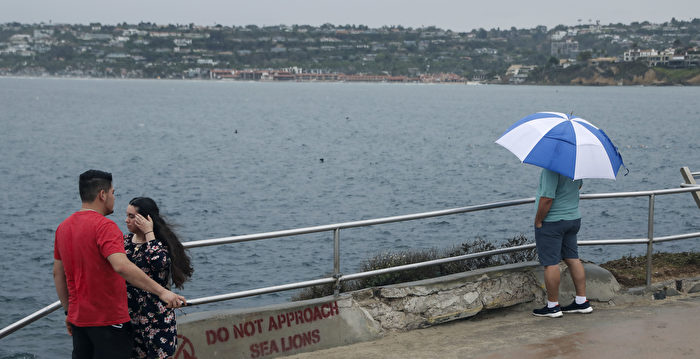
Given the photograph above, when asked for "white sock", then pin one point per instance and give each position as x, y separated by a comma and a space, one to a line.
552, 304
580, 300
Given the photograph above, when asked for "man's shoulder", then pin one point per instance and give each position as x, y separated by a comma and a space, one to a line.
549, 175
549, 180
97, 218
68, 221
88, 219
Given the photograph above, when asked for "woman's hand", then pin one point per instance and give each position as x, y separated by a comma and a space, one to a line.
144, 224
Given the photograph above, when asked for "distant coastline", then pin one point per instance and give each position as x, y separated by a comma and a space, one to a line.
640, 53
650, 79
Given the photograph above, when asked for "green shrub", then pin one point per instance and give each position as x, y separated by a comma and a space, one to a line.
388, 260
676, 75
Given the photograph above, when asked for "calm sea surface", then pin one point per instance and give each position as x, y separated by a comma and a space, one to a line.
232, 158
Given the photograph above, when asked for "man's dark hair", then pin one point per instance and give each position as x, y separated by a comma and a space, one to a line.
92, 182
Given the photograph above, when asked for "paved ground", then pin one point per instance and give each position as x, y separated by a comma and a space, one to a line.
634, 327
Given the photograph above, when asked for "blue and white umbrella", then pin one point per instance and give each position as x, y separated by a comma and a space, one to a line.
563, 143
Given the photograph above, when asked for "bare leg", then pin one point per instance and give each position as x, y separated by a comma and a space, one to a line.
578, 275
551, 282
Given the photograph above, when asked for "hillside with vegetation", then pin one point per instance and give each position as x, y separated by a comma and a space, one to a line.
585, 54
623, 73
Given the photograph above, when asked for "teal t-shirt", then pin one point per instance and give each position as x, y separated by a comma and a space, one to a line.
564, 191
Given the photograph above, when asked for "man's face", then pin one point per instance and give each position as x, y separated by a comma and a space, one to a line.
109, 201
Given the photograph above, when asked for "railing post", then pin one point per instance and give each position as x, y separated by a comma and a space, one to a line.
650, 244
336, 261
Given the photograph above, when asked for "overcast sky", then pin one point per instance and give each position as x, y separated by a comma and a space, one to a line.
457, 15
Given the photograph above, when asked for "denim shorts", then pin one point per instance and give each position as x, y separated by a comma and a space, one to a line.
556, 241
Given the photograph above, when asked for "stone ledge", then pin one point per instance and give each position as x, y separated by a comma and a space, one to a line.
428, 302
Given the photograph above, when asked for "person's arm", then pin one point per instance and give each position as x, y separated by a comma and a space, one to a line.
59, 280
134, 275
542, 209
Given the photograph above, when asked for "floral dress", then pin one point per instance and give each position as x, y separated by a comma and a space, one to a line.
155, 334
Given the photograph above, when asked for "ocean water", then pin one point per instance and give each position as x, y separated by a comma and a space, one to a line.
232, 158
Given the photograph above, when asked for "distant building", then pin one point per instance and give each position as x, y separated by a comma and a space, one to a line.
558, 35
182, 42
517, 74
600, 60
564, 63
486, 51
20, 39
636, 54
666, 58
92, 37
568, 48
43, 34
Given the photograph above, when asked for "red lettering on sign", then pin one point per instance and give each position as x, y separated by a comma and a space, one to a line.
327, 310
258, 323
247, 329
263, 349
291, 342
317, 314
306, 339
255, 350
334, 308
298, 341
211, 337
273, 347
271, 324
220, 335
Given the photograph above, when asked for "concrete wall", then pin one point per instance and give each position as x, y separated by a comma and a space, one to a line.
289, 328
273, 331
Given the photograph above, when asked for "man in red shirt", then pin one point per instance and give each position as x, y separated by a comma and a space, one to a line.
90, 266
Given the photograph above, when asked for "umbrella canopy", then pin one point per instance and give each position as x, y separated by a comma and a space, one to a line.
563, 143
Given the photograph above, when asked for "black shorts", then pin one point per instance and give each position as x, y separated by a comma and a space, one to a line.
109, 342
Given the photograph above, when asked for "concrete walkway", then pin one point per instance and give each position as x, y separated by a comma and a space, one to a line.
633, 327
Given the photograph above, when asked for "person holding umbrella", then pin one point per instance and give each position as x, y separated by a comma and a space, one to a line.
568, 148
557, 222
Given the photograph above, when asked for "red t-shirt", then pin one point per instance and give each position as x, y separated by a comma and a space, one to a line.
97, 294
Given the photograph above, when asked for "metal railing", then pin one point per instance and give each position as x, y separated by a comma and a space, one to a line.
338, 277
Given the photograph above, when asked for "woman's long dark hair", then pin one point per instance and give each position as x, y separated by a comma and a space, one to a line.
181, 269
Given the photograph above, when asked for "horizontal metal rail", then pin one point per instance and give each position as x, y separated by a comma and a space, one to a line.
435, 262
363, 223
259, 291
29, 319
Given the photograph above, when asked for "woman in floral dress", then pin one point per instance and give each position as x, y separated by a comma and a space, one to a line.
153, 247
